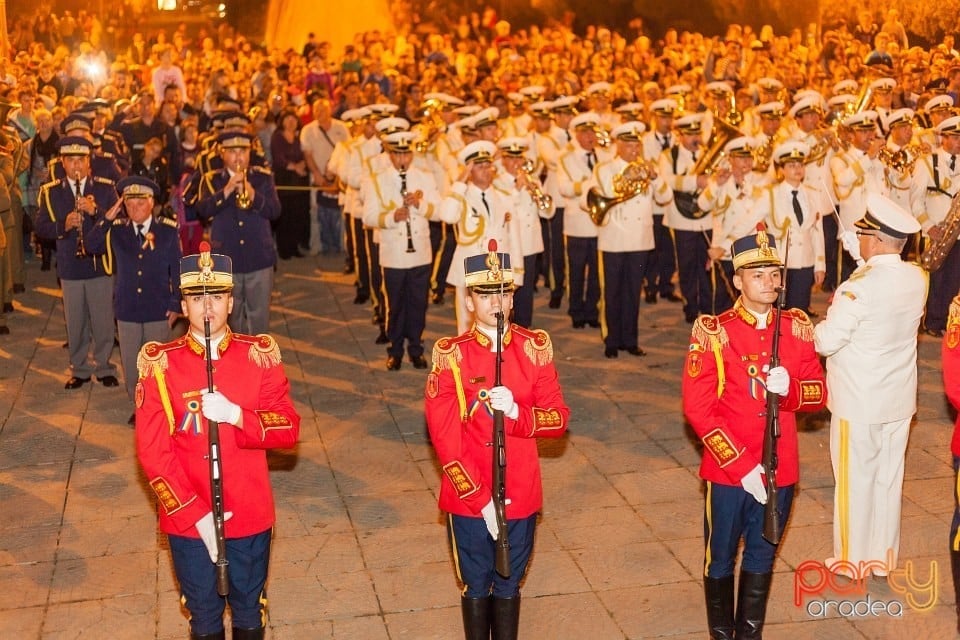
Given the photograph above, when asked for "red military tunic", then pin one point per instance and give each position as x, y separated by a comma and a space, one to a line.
724, 396
172, 432
951, 367
460, 419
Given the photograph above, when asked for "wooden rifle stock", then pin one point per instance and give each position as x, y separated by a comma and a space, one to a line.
772, 530
502, 562
216, 478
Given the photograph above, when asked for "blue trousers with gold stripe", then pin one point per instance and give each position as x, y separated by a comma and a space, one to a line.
955, 526
474, 555
248, 557
731, 514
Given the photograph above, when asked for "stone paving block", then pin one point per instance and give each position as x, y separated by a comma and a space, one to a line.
689, 553
125, 618
114, 487
341, 595
647, 455
393, 509
432, 585
25, 622
684, 450
628, 565
29, 441
302, 472
831, 629
309, 515
656, 610
672, 520
171, 618
802, 543
586, 487
596, 528
26, 584
551, 572
404, 545
386, 469
304, 556
426, 624
103, 577
29, 544
365, 627
662, 485
111, 536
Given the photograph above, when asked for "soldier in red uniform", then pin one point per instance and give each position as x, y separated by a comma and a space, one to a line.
251, 401
951, 382
725, 384
460, 400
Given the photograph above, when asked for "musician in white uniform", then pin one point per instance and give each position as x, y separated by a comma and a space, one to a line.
480, 213
399, 200
869, 339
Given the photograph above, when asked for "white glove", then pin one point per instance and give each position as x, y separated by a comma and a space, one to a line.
208, 534
489, 513
501, 399
753, 484
778, 380
851, 243
216, 407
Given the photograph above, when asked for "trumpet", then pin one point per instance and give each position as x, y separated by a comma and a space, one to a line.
543, 200
81, 248
243, 196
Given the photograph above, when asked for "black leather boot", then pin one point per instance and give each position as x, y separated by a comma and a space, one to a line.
719, 594
955, 565
248, 634
220, 635
752, 604
506, 618
476, 618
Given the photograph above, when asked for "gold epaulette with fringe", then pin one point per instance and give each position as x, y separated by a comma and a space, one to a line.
801, 326
708, 330
536, 345
153, 357
170, 222
446, 349
264, 170
51, 184
264, 350
103, 180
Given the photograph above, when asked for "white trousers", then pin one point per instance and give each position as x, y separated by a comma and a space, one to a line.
868, 470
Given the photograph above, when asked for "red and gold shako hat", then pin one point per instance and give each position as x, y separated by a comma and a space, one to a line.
206, 272
755, 250
489, 272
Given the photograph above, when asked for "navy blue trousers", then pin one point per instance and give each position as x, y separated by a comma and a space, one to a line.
443, 241
247, 571
523, 296
663, 262
407, 291
799, 283
555, 255
475, 555
622, 282
695, 285
584, 279
731, 514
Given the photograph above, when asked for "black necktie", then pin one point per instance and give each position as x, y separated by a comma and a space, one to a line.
568, 136
140, 233
483, 196
591, 159
665, 142
953, 163
797, 210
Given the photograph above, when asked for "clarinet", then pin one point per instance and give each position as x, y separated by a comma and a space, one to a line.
81, 248
403, 194
216, 479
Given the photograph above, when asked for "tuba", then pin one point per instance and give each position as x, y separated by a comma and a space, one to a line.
936, 252
431, 124
632, 181
723, 132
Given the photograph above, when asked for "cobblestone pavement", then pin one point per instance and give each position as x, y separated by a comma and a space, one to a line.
360, 548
